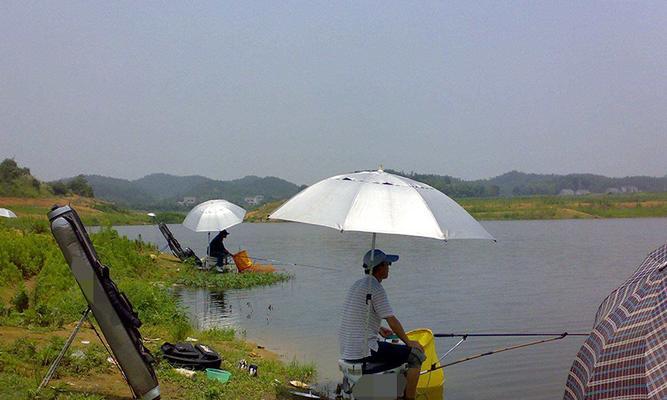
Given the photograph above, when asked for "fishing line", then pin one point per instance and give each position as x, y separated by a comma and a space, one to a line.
295, 264
448, 351
563, 334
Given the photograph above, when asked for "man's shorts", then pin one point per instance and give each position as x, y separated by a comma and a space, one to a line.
390, 355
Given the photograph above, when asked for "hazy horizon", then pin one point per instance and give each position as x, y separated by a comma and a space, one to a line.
342, 172
304, 91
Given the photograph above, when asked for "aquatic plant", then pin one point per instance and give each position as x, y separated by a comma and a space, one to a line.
209, 279
20, 300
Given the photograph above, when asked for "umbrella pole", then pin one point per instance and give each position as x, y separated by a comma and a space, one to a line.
208, 245
368, 298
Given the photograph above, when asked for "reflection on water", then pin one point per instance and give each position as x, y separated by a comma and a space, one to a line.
210, 309
206, 309
430, 394
540, 276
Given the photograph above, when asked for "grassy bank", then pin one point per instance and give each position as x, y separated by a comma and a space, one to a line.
261, 214
92, 211
636, 205
40, 301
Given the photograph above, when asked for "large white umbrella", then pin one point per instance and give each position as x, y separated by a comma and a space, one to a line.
213, 215
7, 213
379, 202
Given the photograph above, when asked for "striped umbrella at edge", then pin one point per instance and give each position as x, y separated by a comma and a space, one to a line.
625, 357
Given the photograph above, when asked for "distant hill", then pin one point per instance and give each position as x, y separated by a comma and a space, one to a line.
120, 191
165, 186
163, 191
516, 183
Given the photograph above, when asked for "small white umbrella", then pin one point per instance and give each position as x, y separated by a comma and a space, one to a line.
379, 202
7, 213
213, 215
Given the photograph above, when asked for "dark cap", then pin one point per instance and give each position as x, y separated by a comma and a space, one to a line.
379, 257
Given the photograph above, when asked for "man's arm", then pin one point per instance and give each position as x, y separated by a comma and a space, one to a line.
223, 249
396, 326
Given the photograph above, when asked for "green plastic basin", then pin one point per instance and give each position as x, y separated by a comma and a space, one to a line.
219, 375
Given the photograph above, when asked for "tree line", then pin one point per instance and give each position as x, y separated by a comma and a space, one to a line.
18, 181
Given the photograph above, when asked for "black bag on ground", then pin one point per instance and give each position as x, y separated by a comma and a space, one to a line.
187, 355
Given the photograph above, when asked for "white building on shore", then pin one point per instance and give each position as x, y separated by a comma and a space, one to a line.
254, 200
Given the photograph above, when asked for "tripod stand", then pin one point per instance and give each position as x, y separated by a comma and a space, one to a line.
70, 339
68, 343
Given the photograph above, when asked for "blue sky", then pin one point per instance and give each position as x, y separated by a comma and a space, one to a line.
306, 90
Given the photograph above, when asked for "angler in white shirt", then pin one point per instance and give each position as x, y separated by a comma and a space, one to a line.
354, 348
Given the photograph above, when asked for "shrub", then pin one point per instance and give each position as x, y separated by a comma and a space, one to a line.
20, 301
217, 333
59, 188
153, 304
43, 315
57, 295
25, 349
213, 392
80, 186
47, 354
180, 330
86, 360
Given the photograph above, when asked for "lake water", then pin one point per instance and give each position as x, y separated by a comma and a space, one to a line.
541, 276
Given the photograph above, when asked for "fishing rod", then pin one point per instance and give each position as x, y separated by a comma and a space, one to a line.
466, 335
294, 264
488, 353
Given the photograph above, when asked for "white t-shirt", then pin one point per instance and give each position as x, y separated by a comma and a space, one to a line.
351, 333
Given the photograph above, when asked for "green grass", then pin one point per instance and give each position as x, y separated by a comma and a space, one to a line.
171, 217
639, 205
91, 211
23, 362
261, 213
242, 385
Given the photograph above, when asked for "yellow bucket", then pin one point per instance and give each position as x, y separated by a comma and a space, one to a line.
433, 379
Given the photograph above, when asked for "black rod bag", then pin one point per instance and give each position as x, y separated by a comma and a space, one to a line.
112, 310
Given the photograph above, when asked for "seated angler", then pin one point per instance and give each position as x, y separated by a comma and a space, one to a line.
217, 248
356, 343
